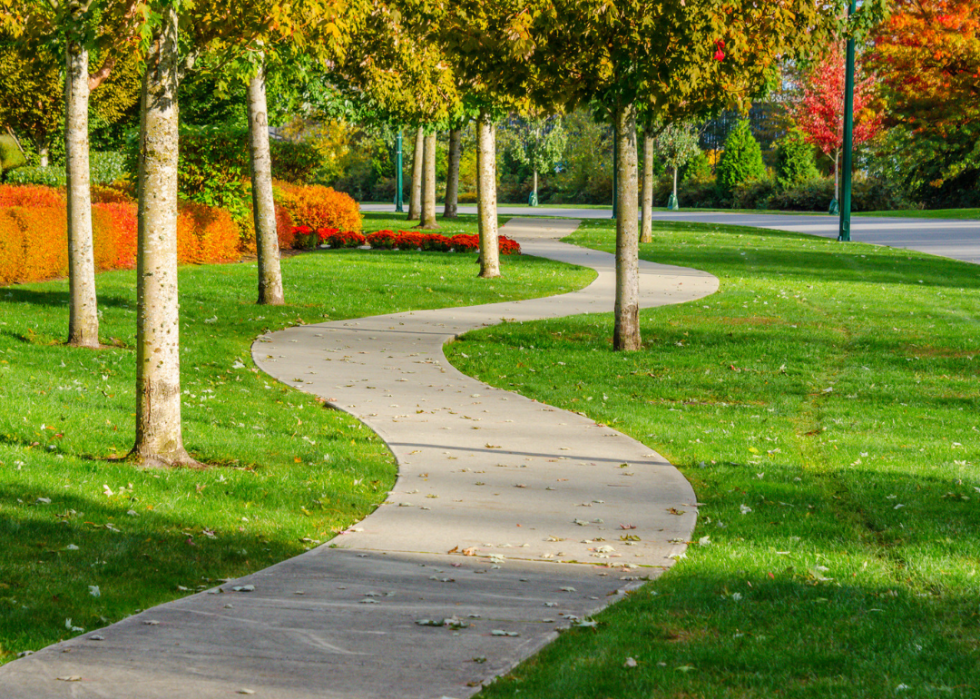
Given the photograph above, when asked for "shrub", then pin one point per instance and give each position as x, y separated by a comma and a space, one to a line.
465, 243
106, 167
742, 159
50, 176
319, 207
381, 240
43, 238
114, 228
285, 228
698, 169
206, 235
106, 194
794, 160
31, 196
305, 238
754, 194
12, 248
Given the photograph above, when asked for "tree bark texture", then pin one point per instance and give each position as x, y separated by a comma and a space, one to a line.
83, 311
415, 200
452, 173
486, 193
646, 231
626, 335
159, 441
263, 206
429, 184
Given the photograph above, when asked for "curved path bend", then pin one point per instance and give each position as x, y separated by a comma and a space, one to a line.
505, 522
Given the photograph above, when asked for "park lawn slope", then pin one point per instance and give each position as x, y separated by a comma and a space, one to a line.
824, 406
87, 539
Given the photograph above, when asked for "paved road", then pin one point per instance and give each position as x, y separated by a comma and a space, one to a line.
957, 239
504, 525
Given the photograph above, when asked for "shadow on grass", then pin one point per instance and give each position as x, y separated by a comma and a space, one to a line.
54, 551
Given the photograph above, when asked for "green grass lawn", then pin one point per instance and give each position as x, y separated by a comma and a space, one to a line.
287, 473
824, 404
930, 213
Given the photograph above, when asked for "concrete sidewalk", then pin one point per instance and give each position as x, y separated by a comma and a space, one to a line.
504, 526
958, 239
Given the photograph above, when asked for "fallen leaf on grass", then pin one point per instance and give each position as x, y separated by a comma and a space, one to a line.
630, 662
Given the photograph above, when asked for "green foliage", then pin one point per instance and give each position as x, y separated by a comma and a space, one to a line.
10, 155
742, 159
795, 164
539, 144
106, 167
677, 143
698, 168
214, 167
50, 176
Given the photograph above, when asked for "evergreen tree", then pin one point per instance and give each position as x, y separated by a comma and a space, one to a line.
742, 159
794, 160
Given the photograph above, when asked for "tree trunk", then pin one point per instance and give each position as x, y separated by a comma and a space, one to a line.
534, 185
452, 173
42, 152
626, 335
415, 201
675, 182
486, 193
646, 234
158, 429
263, 206
429, 184
83, 312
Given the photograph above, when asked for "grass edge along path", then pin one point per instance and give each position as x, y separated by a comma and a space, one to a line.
823, 404
87, 540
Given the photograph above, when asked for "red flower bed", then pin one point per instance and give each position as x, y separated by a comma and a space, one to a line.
409, 240
508, 246
437, 242
344, 239
465, 243
381, 240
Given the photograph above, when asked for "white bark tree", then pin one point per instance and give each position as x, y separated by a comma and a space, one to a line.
415, 200
452, 173
159, 439
486, 196
83, 312
263, 205
428, 219
626, 332
646, 230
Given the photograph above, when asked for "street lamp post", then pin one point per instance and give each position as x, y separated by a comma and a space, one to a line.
399, 208
845, 205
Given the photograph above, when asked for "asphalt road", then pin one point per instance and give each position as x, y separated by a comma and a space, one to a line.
956, 239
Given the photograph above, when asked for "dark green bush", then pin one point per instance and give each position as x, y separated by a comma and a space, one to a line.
742, 159
755, 194
794, 160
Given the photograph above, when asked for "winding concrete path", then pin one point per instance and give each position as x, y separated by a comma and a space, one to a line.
508, 521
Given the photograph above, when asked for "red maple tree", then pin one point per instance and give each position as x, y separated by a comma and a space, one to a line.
820, 112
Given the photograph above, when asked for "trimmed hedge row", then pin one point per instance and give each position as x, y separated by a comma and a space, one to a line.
34, 237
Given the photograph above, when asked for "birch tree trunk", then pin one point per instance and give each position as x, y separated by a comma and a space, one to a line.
676, 168
486, 194
452, 173
158, 428
263, 206
646, 231
42, 152
534, 187
429, 184
626, 335
83, 312
415, 201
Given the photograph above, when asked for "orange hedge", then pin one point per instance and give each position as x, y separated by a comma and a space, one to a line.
31, 196
34, 239
318, 207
